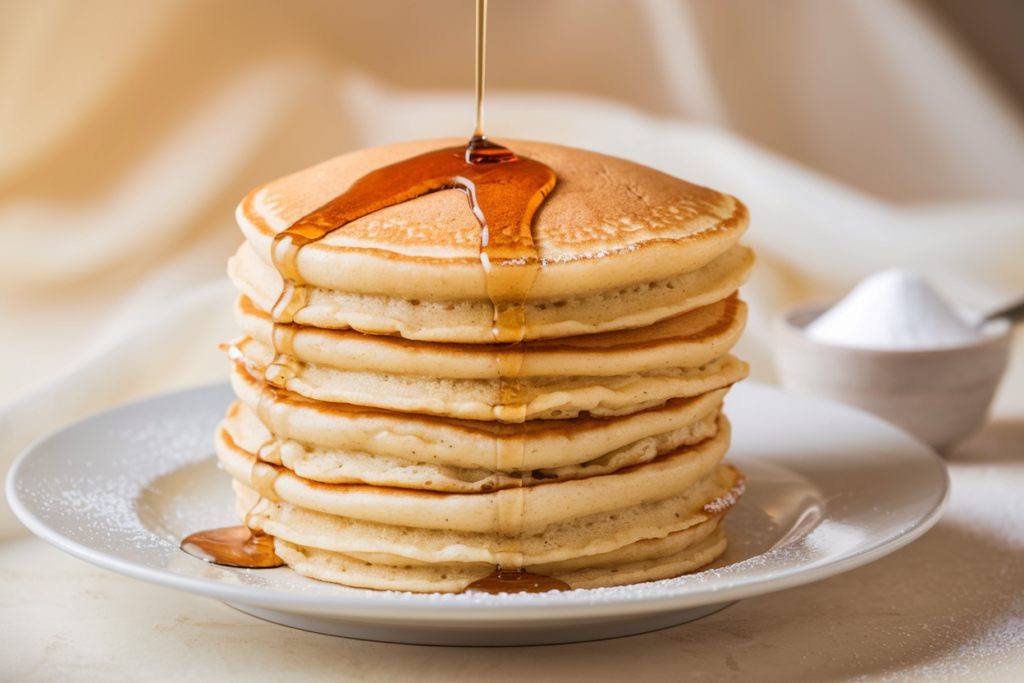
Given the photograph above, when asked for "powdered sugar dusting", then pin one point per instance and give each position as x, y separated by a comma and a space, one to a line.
723, 503
88, 488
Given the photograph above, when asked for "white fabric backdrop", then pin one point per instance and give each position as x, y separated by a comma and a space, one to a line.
857, 131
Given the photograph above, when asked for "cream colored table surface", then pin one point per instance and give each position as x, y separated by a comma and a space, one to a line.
950, 606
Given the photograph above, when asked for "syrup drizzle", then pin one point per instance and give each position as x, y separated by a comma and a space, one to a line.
504, 191
481, 54
234, 546
243, 546
516, 581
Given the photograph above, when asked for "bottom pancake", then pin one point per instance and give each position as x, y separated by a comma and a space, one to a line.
702, 545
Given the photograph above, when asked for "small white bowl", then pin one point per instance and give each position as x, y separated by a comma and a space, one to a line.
939, 396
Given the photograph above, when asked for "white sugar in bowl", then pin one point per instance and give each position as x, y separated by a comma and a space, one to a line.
938, 395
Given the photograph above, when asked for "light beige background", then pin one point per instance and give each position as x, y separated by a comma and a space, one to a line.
861, 133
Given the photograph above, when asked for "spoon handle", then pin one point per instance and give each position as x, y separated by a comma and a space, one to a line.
1014, 312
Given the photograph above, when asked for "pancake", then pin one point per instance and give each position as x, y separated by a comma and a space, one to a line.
648, 540
459, 443
609, 223
688, 340
469, 320
585, 537
696, 547
455, 577
521, 510
540, 397
334, 466
606, 374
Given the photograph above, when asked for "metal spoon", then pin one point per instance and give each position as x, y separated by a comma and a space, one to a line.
1014, 313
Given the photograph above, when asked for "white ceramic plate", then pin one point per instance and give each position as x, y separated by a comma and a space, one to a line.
829, 489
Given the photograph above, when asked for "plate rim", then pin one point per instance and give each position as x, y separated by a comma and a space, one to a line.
412, 608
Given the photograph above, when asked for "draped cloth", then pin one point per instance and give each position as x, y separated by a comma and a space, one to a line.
860, 134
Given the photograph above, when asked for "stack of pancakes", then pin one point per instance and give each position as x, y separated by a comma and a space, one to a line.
408, 451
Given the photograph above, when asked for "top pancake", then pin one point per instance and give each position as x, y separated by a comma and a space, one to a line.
608, 223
